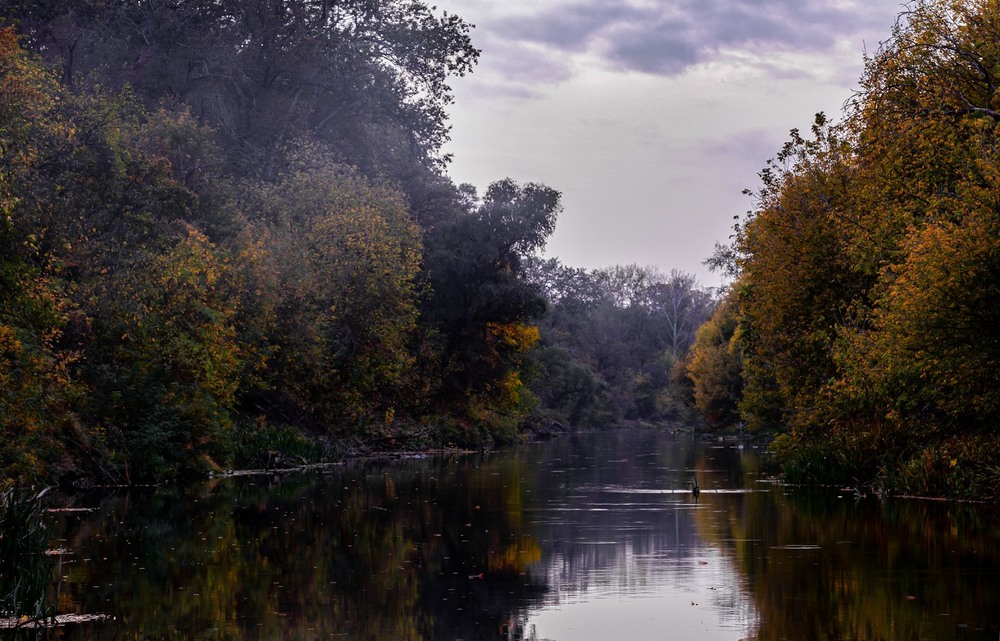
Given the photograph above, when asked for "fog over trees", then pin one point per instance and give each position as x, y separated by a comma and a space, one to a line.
228, 239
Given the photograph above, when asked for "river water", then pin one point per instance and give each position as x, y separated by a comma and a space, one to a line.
586, 537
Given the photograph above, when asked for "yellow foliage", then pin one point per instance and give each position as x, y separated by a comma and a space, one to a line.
518, 336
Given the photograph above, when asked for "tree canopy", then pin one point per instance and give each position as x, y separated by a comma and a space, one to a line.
866, 292
368, 78
226, 231
614, 342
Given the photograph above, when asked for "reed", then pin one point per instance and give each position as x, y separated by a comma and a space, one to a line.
25, 571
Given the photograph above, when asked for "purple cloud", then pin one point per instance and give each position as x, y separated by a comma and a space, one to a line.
669, 37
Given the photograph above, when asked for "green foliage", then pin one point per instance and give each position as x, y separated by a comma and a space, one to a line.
264, 445
957, 466
342, 254
37, 388
168, 360
480, 301
566, 386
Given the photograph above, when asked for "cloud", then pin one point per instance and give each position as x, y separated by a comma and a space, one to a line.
667, 37
526, 63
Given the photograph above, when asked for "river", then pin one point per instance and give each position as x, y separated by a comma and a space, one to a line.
586, 537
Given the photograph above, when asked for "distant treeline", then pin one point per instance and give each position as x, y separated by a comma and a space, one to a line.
864, 317
227, 239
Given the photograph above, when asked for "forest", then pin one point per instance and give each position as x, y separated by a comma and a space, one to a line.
228, 240
862, 325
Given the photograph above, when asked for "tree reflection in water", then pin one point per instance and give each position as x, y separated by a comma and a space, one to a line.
409, 550
586, 537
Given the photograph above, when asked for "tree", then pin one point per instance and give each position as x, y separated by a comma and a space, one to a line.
797, 282
567, 387
680, 306
370, 79
626, 285
165, 361
620, 332
866, 306
565, 288
38, 390
481, 301
344, 254
715, 365
926, 128
933, 346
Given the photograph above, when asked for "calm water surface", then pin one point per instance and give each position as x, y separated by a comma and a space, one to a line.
588, 537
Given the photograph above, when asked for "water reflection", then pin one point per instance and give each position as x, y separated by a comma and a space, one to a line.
624, 554
421, 550
586, 537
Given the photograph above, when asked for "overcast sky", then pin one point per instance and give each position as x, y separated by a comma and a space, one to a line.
650, 116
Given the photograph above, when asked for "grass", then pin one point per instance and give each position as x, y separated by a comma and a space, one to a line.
25, 571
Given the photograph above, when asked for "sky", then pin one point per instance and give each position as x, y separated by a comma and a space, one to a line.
650, 116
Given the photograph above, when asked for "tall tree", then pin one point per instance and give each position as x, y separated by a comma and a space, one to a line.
38, 389
797, 283
370, 78
343, 254
866, 298
481, 302
926, 142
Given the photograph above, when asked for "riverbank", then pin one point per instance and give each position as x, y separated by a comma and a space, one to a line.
890, 463
457, 547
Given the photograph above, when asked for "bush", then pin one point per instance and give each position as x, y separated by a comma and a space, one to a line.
258, 445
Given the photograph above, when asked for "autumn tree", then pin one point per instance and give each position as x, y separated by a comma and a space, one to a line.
221, 219
342, 254
866, 297
165, 361
481, 305
926, 355
797, 283
715, 365
38, 391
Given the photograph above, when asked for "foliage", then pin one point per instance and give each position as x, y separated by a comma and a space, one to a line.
566, 386
715, 365
612, 340
265, 445
369, 78
342, 255
228, 233
169, 359
225, 231
866, 288
480, 303
37, 388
